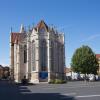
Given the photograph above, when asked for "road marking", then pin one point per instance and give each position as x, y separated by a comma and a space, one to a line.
84, 96
69, 94
87, 96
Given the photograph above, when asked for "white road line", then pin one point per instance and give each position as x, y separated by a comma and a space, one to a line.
81, 96
87, 96
69, 94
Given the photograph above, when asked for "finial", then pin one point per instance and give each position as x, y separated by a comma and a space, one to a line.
22, 29
11, 30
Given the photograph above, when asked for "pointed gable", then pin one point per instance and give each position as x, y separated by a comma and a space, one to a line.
42, 25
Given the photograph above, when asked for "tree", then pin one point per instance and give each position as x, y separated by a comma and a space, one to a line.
84, 61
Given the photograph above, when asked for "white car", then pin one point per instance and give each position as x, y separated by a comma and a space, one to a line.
92, 77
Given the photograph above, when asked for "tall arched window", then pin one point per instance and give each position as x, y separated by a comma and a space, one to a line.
25, 53
43, 53
33, 56
52, 55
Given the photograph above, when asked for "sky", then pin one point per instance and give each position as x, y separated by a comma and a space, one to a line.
79, 20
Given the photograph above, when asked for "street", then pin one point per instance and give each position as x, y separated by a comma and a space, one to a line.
43, 91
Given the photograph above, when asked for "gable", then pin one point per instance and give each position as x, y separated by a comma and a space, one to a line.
42, 27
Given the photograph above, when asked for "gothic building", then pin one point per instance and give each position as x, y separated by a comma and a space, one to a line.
37, 54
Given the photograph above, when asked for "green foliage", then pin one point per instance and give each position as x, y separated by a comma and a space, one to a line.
84, 61
52, 81
58, 81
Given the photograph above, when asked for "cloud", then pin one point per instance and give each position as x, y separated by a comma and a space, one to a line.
92, 37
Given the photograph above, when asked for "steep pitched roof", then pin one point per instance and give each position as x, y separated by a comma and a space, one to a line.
97, 55
16, 37
42, 24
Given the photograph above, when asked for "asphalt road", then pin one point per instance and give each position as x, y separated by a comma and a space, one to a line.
43, 91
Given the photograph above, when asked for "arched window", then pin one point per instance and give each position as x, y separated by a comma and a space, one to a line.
33, 56
52, 55
43, 55
25, 53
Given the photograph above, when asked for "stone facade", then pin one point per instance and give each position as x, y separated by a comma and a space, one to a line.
38, 54
1, 71
98, 58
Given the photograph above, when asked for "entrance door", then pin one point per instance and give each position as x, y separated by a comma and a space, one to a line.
43, 76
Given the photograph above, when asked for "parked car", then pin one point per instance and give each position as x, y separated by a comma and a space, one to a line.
91, 77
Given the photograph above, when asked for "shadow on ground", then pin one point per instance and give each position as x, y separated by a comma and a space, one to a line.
10, 91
